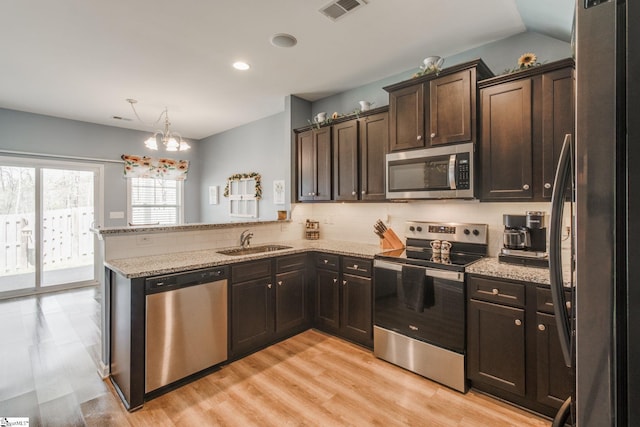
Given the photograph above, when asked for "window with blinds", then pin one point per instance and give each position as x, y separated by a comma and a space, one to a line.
155, 201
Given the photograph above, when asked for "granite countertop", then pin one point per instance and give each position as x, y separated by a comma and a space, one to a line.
184, 261
490, 266
109, 231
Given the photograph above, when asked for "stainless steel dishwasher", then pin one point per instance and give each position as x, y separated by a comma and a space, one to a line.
186, 325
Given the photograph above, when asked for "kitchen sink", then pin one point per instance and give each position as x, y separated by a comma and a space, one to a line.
253, 250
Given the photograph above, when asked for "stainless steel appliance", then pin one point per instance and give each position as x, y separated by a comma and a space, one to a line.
525, 239
603, 341
445, 172
419, 304
186, 325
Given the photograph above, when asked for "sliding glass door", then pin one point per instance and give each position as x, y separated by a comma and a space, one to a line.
46, 211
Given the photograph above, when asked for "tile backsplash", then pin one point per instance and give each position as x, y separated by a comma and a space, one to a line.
354, 221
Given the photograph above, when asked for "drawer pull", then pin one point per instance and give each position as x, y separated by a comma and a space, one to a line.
269, 285
518, 322
335, 280
279, 282
355, 266
542, 327
344, 283
413, 328
495, 291
326, 261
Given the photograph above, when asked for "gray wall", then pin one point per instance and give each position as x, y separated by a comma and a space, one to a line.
26, 132
498, 56
264, 146
260, 147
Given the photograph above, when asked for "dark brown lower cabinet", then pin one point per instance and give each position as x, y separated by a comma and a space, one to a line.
344, 299
497, 346
327, 300
513, 350
252, 323
554, 380
269, 307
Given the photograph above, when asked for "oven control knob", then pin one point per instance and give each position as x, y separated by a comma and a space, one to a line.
466, 231
412, 228
476, 232
419, 229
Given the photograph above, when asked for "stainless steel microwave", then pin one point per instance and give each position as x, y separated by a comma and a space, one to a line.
445, 172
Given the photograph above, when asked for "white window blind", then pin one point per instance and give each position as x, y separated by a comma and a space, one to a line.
155, 201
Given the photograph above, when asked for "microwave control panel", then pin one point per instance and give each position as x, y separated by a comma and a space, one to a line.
463, 171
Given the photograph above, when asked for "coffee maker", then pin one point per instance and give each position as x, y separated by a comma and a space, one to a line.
524, 240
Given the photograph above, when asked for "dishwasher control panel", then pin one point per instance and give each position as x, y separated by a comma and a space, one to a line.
188, 278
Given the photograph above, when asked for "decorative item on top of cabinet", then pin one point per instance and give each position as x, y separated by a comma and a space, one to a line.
437, 108
524, 118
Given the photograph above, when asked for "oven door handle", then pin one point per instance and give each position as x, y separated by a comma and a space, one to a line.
429, 272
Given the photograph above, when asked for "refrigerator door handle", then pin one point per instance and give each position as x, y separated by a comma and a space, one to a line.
563, 175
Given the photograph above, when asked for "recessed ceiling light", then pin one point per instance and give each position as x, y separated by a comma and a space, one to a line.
283, 40
240, 65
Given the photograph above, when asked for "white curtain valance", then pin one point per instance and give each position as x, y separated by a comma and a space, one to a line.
149, 167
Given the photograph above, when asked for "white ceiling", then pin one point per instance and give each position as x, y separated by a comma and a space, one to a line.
81, 59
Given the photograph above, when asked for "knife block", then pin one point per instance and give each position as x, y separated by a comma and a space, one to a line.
391, 241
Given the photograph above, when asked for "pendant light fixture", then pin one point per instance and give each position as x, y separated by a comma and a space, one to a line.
172, 141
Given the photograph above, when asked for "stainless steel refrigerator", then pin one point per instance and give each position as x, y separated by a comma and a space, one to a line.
605, 332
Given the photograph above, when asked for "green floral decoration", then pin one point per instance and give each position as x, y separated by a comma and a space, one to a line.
251, 175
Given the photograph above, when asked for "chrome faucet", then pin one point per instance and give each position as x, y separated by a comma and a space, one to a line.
245, 238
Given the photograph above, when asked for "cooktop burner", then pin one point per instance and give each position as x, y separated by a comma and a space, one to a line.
468, 245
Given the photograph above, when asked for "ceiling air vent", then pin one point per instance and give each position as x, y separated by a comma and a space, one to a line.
338, 9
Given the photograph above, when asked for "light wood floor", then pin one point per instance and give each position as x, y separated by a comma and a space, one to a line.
310, 379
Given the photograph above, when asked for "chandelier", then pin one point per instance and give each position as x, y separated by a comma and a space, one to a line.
172, 141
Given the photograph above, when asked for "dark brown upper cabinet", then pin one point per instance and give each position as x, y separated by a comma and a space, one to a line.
345, 160
359, 149
374, 146
524, 118
356, 170
435, 109
314, 164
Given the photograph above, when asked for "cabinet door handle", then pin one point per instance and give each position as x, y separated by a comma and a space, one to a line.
518, 322
568, 305
541, 327
279, 282
413, 328
364, 192
355, 266
269, 285
326, 261
344, 283
419, 137
547, 185
353, 193
313, 194
433, 135
525, 187
335, 280
495, 291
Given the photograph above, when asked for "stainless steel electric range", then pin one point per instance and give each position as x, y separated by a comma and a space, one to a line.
419, 308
